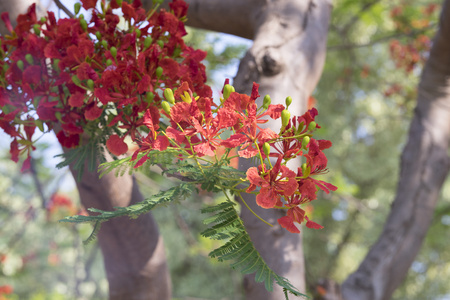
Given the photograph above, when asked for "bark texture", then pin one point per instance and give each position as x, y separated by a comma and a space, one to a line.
286, 59
133, 250
424, 167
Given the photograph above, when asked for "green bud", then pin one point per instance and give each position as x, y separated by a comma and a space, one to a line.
113, 51
168, 94
227, 90
90, 84
266, 149
39, 125
20, 65
176, 52
305, 170
108, 62
58, 115
29, 58
76, 80
166, 107
147, 42
43, 19
305, 141
312, 126
160, 43
5, 68
105, 44
77, 7
138, 33
150, 96
37, 29
119, 2
285, 116
159, 71
266, 102
83, 24
81, 16
98, 35
288, 101
56, 64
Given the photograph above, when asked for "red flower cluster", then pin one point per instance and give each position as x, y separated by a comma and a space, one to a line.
91, 76
196, 126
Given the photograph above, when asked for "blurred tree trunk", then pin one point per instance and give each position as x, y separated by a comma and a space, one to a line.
133, 250
424, 167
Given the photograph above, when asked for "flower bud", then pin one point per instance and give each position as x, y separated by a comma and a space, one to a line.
39, 124
43, 19
266, 149
159, 71
113, 51
138, 33
105, 44
20, 64
305, 170
312, 126
266, 102
288, 101
227, 90
160, 44
168, 94
147, 42
98, 35
285, 116
56, 64
76, 80
108, 62
305, 141
77, 7
90, 84
29, 58
119, 2
83, 24
166, 107
58, 115
37, 29
150, 96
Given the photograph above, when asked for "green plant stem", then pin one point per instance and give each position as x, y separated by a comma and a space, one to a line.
251, 210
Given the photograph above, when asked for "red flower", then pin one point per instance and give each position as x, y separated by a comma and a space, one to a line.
116, 145
274, 183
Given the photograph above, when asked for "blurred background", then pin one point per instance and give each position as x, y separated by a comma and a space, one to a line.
376, 51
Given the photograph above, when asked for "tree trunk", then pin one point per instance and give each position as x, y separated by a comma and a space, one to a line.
424, 167
286, 59
133, 250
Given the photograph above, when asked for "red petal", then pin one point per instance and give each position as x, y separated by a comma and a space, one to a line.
116, 145
267, 198
255, 93
76, 100
88, 3
14, 150
7, 21
93, 112
234, 141
313, 225
287, 223
144, 84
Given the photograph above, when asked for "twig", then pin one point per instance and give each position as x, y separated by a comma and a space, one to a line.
61, 6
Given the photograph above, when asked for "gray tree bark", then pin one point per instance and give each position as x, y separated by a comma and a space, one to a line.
133, 250
424, 167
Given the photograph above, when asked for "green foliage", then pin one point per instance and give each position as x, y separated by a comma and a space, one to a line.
239, 248
87, 155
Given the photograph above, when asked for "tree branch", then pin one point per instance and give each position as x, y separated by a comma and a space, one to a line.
63, 8
424, 167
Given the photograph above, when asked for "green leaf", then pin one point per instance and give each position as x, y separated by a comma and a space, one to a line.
239, 247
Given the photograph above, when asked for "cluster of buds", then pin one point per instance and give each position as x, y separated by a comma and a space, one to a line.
197, 126
92, 77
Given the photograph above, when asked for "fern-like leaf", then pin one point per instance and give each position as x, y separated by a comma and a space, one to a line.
239, 247
178, 192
